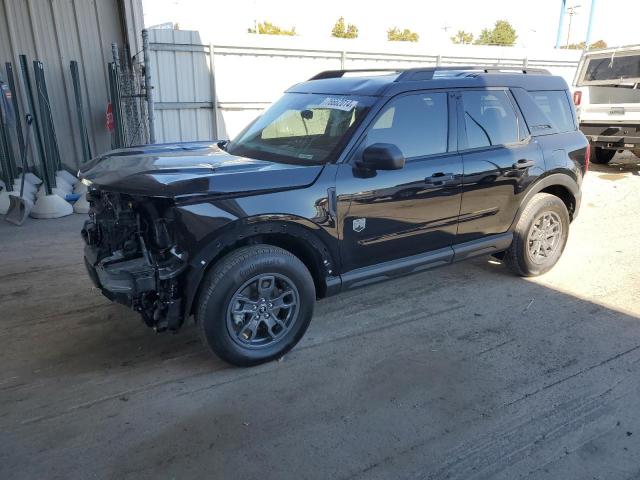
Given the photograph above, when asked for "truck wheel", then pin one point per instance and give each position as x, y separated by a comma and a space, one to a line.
601, 155
255, 305
539, 237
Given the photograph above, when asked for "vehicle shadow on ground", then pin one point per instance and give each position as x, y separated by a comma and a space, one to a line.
625, 162
453, 373
108, 338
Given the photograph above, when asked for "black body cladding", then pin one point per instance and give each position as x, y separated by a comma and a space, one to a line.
162, 215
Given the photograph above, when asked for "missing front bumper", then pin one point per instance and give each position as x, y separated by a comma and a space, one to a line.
122, 280
150, 289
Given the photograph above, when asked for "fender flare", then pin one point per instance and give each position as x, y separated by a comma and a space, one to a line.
559, 179
242, 230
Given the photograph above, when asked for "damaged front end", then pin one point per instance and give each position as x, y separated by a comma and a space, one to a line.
131, 255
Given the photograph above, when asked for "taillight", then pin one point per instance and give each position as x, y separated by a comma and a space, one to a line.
577, 98
587, 158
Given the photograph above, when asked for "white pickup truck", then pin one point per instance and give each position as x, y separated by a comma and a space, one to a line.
607, 99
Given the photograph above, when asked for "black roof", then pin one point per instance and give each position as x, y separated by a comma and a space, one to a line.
392, 82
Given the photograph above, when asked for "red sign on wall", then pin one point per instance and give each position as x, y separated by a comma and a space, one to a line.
110, 123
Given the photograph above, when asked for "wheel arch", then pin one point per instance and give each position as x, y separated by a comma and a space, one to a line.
564, 194
560, 185
298, 236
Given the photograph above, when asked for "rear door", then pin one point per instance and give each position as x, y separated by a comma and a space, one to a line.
500, 160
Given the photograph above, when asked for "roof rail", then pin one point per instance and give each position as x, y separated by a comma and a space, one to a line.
340, 73
427, 73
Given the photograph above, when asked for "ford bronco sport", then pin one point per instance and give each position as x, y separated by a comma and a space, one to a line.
348, 179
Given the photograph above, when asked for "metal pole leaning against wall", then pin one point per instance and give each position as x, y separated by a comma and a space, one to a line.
26, 78
48, 157
148, 88
6, 161
16, 108
119, 140
43, 95
84, 137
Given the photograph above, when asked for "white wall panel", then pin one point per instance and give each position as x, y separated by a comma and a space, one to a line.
182, 86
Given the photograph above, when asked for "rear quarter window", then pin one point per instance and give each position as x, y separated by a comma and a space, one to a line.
556, 107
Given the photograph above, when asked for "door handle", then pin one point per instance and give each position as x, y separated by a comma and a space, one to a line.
522, 164
439, 178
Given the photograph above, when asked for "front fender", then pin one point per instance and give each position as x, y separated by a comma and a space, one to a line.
241, 231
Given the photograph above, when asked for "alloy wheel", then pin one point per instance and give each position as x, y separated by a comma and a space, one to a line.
545, 235
263, 310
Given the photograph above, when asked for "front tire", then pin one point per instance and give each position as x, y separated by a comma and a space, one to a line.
255, 305
539, 237
602, 156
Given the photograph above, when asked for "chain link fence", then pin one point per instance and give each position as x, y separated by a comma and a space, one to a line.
129, 115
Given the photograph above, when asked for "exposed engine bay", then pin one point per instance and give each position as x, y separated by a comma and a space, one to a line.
131, 255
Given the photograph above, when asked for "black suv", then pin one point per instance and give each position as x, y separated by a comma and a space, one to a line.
350, 178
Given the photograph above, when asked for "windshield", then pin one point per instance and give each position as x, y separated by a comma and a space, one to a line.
302, 127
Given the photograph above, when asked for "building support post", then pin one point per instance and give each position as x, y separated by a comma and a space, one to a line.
148, 88
587, 40
563, 7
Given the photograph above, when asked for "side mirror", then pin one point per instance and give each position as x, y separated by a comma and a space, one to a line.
382, 156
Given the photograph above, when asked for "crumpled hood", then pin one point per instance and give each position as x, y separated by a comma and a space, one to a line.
183, 170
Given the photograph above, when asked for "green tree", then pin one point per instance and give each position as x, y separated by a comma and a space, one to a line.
462, 38
501, 34
597, 45
342, 30
396, 35
594, 46
268, 28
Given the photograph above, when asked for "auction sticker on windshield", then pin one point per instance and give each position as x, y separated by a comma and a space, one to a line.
345, 104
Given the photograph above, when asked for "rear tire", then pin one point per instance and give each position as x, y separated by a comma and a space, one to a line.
255, 305
602, 156
539, 237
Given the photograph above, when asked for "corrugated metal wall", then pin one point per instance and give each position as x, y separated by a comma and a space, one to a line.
56, 32
183, 86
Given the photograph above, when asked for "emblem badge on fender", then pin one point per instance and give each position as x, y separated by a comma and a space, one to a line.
359, 224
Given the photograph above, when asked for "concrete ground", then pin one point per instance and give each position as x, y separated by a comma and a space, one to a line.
463, 372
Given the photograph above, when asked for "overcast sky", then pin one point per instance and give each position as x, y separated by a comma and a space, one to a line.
615, 21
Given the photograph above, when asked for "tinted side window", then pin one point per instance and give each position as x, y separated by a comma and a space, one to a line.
417, 124
555, 105
489, 119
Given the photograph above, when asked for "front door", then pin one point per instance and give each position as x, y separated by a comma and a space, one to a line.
386, 215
